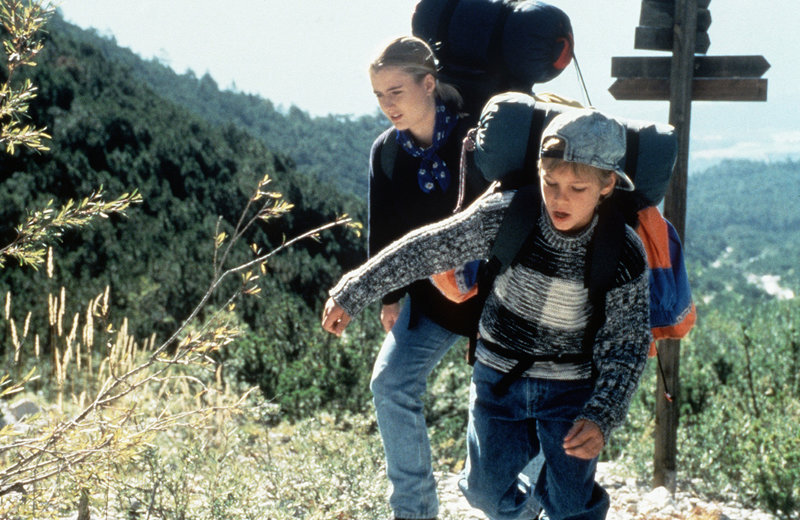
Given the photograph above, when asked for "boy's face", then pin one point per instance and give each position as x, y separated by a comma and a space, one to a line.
571, 199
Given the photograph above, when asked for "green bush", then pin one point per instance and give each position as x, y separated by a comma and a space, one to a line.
740, 406
302, 368
739, 396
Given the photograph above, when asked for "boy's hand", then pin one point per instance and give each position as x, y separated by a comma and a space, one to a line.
334, 318
584, 440
389, 314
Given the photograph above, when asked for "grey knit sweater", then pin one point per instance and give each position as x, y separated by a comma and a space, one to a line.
538, 306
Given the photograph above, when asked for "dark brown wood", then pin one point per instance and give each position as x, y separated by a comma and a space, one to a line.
682, 85
657, 13
666, 423
713, 89
703, 20
661, 39
704, 66
680, 113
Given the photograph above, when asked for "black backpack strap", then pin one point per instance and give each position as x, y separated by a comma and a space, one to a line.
601, 269
631, 152
525, 361
388, 152
528, 173
605, 249
534, 139
487, 272
519, 222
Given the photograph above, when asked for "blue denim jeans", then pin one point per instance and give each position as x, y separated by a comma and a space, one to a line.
506, 432
399, 380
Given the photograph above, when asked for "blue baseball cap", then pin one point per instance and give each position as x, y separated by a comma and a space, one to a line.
592, 138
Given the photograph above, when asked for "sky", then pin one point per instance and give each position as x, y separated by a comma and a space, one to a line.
314, 54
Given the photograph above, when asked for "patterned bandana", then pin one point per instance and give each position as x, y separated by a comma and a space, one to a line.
432, 169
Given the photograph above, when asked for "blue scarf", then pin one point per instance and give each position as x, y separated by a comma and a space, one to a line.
432, 169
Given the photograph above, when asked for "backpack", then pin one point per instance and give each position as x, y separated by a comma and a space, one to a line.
509, 132
484, 47
672, 312
506, 147
489, 46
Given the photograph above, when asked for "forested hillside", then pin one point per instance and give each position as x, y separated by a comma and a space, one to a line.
110, 128
333, 149
196, 153
742, 236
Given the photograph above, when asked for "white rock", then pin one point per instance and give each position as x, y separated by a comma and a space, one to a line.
658, 498
24, 409
632, 501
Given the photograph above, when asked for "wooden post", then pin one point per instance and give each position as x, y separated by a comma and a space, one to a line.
679, 79
680, 108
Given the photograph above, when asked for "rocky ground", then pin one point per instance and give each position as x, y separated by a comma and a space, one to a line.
630, 500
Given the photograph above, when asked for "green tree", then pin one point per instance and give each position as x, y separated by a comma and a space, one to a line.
102, 420
21, 21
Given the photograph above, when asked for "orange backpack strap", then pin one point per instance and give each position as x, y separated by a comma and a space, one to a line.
459, 284
672, 312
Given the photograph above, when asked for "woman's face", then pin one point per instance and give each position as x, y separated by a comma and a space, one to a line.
571, 199
409, 104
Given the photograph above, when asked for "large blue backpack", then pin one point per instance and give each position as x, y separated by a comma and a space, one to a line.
485, 47
510, 129
506, 144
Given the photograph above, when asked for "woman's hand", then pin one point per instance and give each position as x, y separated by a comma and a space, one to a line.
584, 440
389, 314
334, 318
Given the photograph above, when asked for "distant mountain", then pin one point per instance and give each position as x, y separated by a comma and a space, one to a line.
333, 149
111, 128
195, 153
742, 230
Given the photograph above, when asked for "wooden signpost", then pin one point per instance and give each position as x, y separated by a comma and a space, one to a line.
680, 26
714, 78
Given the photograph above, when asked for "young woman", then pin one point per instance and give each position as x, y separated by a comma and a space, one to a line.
569, 400
413, 181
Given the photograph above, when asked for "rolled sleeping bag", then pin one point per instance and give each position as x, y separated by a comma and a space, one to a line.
489, 46
509, 133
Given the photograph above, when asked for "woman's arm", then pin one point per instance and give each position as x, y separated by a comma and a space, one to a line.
382, 221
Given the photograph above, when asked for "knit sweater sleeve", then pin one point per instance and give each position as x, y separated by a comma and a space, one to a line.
621, 347
425, 251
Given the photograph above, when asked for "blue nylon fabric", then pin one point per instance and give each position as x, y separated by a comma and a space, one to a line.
670, 293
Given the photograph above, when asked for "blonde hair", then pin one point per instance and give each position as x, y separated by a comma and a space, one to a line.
553, 144
413, 56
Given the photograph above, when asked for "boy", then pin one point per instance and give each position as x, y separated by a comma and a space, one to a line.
569, 400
